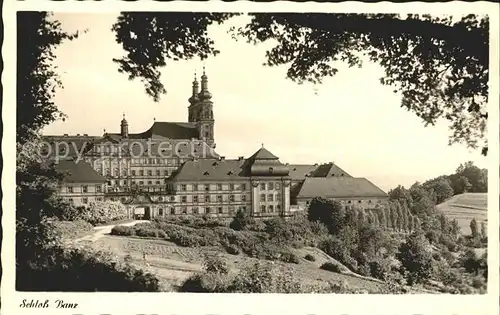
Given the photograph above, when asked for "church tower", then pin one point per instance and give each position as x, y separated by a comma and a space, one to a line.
202, 111
124, 127
193, 101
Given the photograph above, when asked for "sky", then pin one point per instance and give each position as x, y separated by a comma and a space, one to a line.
350, 119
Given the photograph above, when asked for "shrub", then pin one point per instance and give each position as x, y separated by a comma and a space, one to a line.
71, 229
331, 267
122, 230
76, 270
146, 232
241, 221
232, 249
310, 257
289, 258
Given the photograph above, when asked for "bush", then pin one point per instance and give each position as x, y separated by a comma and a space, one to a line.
331, 267
122, 230
232, 249
71, 229
241, 221
289, 258
76, 270
310, 257
146, 232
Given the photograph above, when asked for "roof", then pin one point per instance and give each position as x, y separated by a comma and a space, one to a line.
301, 171
212, 169
339, 187
263, 154
78, 172
170, 130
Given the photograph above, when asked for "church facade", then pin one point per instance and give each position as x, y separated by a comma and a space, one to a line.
172, 169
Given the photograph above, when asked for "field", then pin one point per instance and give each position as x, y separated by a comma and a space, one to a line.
173, 264
464, 207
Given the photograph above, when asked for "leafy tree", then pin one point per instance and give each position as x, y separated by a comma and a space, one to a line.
241, 221
484, 231
438, 64
441, 187
423, 201
332, 214
416, 258
474, 232
478, 178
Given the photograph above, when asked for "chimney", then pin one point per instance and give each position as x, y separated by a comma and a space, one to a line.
222, 158
77, 134
86, 135
315, 164
65, 134
240, 158
287, 164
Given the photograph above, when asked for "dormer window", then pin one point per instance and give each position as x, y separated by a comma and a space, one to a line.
206, 173
271, 170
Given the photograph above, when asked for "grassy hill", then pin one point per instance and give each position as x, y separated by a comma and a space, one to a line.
464, 207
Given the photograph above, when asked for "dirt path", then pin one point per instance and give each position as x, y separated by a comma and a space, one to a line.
101, 231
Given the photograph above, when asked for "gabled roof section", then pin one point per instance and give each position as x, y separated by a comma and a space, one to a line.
329, 170
339, 187
211, 170
78, 172
170, 130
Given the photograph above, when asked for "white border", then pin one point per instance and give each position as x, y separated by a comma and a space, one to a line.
233, 304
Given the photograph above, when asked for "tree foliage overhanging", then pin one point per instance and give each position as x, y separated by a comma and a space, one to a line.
438, 64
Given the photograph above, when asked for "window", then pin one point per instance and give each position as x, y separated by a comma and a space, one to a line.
270, 197
99, 199
117, 172
277, 185
278, 207
70, 189
85, 200
150, 172
166, 172
231, 198
207, 198
369, 201
133, 173
150, 182
243, 198
359, 201
157, 182
172, 210
184, 199
263, 186
270, 186
85, 188
195, 210
219, 187
158, 173
243, 186
195, 187
124, 173
219, 210
160, 212
231, 210
160, 198
184, 210
133, 182
262, 197
231, 186
271, 208
122, 199
141, 182
207, 210
183, 187
107, 172
349, 201
195, 198
263, 209
207, 187
243, 208
70, 200
172, 198
141, 173
219, 198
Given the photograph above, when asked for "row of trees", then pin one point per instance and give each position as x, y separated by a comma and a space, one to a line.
421, 197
